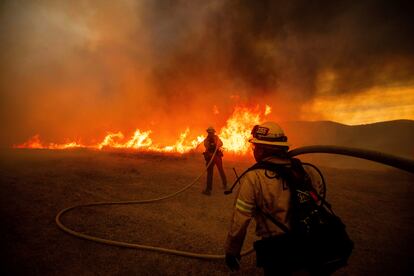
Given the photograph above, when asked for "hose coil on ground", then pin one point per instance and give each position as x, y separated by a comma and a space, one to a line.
58, 220
394, 161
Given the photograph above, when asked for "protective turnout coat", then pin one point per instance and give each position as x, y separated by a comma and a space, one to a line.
210, 143
263, 190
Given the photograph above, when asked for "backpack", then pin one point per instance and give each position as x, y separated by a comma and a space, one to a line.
317, 240
211, 148
211, 144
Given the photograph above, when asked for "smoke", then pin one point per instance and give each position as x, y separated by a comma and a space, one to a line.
78, 69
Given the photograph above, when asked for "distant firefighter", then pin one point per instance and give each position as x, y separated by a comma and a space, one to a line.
210, 143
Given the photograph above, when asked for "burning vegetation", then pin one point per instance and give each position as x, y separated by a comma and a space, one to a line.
234, 136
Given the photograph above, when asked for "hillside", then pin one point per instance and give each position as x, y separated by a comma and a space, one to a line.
393, 137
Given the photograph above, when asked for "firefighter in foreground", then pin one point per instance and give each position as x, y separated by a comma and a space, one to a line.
210, 143
315, 241
262, 188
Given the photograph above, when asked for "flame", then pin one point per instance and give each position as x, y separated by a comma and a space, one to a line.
35, 143
234, 135
32, 143
139, 140
69, 145
237, 130
181, 146
268, 110
109, 140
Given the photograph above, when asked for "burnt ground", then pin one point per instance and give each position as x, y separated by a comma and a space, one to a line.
376, 205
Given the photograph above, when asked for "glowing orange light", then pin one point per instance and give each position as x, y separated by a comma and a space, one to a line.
35, 143
237, 130
234, 135
32, 143
215, 110
69, 145
108, 141
268, 110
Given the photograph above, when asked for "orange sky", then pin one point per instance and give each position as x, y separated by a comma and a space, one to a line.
77, 70
374, 105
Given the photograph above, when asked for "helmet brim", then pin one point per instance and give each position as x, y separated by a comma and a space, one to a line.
257, 141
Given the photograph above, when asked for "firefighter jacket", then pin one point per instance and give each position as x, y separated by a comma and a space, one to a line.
260, 190
211, 142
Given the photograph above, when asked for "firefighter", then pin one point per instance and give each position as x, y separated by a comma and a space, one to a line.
261, 189
210, 143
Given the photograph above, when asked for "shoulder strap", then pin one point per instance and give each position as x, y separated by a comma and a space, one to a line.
280, 169
275, 221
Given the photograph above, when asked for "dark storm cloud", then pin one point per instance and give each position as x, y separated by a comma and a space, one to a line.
279, 46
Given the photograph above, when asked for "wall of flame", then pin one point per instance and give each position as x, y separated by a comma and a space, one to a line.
234, 134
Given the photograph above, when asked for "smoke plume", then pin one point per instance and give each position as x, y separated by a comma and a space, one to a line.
77, 69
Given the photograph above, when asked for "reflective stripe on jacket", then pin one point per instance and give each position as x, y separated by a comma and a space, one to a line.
268, 191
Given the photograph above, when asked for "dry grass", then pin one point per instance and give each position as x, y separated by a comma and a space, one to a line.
376, 206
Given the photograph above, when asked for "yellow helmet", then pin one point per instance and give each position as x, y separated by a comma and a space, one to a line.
269, 133
210, 130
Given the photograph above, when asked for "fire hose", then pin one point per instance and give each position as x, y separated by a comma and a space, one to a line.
387, 159
135, 245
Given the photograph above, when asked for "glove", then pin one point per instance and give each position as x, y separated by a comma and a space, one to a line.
232, 262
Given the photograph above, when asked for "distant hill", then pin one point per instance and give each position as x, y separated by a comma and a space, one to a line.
394, 137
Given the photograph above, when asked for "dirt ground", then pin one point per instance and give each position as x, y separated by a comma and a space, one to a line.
376, 205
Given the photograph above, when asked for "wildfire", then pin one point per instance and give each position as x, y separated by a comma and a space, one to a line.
181, 145
237, 130
110, 140
35, 143
234, 136
140, 140
32, 143
268, 110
